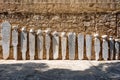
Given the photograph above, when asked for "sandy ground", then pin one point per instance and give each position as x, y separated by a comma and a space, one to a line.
59, 70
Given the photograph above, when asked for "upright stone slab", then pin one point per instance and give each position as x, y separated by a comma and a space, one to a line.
6, 35
105, 47
32, 44
40, 44
24, 43
63, 45
88, 46
117, 49
55, 43
80, 46
112, 47
97, 46
47, 43
71, 44
15, 41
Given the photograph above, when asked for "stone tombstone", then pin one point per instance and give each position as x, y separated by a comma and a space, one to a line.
55, 44
40, 44
6, 35
32, 44
63, 45
88, 46
47, 43
15, 41
71, 45
105, 47
97, 46
23, 43
112, 47
117, 49
80, 46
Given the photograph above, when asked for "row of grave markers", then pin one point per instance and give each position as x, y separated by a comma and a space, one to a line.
108, 46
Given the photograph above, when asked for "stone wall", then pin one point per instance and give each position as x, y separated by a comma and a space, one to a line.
102, 23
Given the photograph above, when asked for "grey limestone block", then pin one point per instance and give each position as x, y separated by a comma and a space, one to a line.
88, 46
32, 44
72, 44
23, 43
80, 46
96, 46
55, 45
6, 35
112, 47
105, 47
47, 43
40, 44
63, 45
15, 41
117, 49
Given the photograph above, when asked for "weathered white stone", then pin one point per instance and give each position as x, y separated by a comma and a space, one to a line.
55, 43
24, 43
105, 47
15, 41
112, 47
40, 44
80, 46
6, 32
88, 46
97, 46
71, 44
47, 43
32, 44
63, 45
117, 49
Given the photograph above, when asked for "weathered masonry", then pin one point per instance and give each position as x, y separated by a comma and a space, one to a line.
37, 44
86, 16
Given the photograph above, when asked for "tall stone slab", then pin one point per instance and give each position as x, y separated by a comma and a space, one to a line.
40, 44
105, 47
47, 43
88, 46
97, 46
15, 41
71, 44
55, 44
32, 44
63, 45
117, 49
6, 35
111, 47
80, 46
24, 43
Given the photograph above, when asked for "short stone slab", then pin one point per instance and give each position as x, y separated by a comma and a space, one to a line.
23, 43
6, 35
88, 46
71, 44
63, 45
97, 46
15, 41
32, 44
55, 45
80, 46
105, 47
40, 44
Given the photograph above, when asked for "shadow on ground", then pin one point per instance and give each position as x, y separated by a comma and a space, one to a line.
40, 71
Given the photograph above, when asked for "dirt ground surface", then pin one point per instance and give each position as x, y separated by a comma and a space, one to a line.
59, 70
